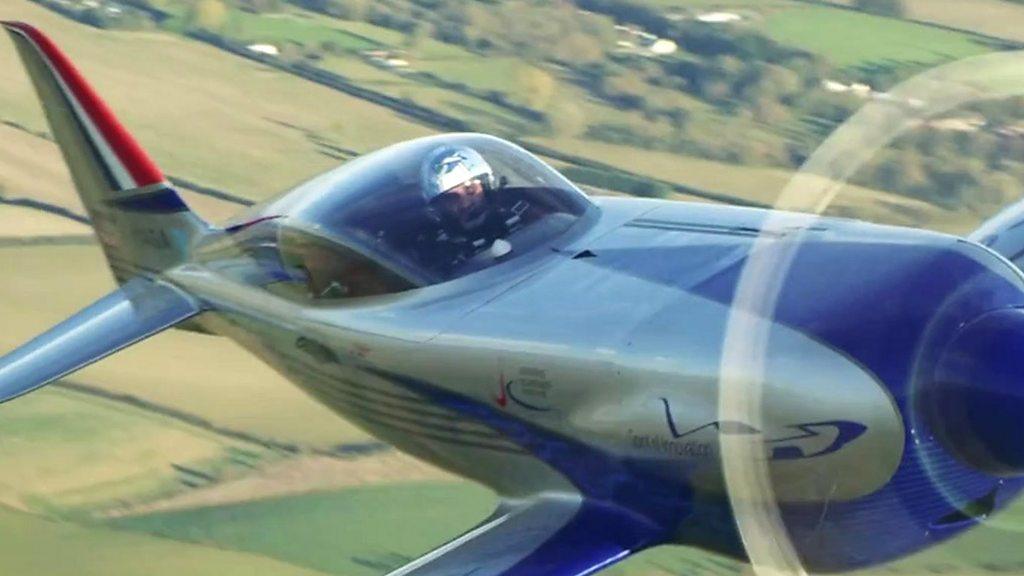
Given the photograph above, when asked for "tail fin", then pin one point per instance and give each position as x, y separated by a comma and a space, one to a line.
141, 221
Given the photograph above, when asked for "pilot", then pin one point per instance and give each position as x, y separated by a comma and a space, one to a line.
460, 187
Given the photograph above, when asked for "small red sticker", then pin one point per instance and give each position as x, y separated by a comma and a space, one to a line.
502, 397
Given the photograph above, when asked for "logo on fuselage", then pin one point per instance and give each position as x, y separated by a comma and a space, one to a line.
529, 390
806, 440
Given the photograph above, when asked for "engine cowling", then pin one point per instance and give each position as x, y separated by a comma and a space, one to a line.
976, 400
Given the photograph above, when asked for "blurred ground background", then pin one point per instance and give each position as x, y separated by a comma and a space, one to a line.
185, 455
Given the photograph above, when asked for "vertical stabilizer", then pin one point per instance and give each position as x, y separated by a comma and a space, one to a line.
141, 221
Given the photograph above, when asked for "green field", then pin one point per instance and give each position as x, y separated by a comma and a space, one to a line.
996, 18
293, 27
357, 532
484, 114
323, 534
849, 39
448, 62
353, 532
75, 453
33, 545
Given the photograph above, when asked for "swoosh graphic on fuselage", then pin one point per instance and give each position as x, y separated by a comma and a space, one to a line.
786, 448
521, 402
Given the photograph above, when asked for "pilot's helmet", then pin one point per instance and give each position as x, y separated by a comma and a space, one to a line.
456, 180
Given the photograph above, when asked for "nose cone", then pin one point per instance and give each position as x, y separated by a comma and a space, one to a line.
976, 401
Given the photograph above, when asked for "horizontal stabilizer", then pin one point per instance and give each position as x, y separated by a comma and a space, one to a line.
135, 311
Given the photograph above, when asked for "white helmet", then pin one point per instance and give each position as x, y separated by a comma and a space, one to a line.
449, 166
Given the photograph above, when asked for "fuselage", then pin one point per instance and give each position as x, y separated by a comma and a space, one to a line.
594, 367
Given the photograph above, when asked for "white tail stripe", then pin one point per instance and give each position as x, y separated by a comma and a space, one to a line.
122, 177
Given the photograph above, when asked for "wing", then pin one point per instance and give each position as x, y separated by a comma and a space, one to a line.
552, 536
135, 311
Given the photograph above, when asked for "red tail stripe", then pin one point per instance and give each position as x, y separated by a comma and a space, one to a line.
138, 164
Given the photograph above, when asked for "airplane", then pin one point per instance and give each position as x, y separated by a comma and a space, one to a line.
461, 300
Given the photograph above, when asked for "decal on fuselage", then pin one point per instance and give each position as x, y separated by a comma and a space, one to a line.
530, 390
805, 440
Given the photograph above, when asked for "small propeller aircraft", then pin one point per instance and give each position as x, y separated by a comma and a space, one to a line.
460, 299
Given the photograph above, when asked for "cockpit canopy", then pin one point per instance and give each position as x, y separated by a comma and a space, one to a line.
415, 214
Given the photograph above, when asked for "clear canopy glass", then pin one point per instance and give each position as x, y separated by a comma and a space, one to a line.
419, 213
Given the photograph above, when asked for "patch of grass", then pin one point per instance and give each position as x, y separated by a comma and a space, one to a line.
487, 116
298, 27
33, 545
368, 531
851, 39
446, 61
32, 167
358, 531
19, 222
996, 18
501, 74
426, 48
67, 452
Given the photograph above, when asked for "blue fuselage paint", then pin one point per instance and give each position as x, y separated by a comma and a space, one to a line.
892, 309
607, 339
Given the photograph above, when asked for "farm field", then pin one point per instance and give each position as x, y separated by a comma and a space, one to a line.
294, 26
320, 537
840, 36
849, 39
996, 18
202, 375
488, 116
254, 135
353, 532
17, 223
453, 63
31, 167
302, 138
34, 545
764, 185
76, 453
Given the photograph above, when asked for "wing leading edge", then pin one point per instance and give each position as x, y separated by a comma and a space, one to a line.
556, 535
135, 311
